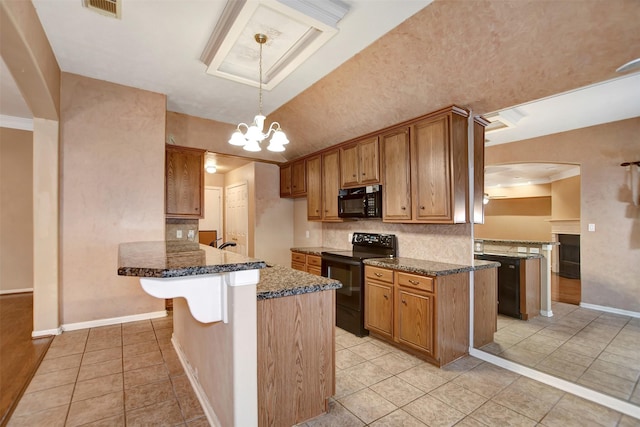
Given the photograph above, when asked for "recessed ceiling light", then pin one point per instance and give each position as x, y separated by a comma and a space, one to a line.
629, 66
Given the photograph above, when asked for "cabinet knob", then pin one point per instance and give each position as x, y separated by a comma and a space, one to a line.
354, 175
326, 210
317, 210
403, 208
378, 274
414, 282
386, 296
195, 209
404, 302
363, 174
422, 207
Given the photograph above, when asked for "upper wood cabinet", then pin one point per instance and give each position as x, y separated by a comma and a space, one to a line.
360, 163
314, 188
396, 176
479, 125
293, 181
330, 185
184, 182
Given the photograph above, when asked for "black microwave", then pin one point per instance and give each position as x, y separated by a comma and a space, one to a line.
362, 202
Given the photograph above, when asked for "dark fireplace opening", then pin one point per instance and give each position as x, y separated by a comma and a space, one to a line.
569, 256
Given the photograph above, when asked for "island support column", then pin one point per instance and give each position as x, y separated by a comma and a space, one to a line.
545, 282
221, 358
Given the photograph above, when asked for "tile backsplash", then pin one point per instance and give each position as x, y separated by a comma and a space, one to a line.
178, 229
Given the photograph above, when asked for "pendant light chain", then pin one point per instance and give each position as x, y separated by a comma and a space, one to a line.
260, 89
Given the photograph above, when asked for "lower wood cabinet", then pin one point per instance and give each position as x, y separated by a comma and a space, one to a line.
306, 262
427, 316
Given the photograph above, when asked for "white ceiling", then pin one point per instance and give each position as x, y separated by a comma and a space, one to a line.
527, 174
156, 45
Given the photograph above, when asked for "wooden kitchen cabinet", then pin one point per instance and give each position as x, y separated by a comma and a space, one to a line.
293, 180
396, 176
360, 163
330, 185
306, 262
184, 182
439, 168
314, 188
429, 315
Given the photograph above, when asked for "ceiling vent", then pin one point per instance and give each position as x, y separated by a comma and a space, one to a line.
104, 7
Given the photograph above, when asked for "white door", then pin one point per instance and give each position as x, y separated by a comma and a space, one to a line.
237, 217
212, 211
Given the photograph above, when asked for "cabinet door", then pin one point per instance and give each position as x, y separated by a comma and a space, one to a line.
285, 181
396, 192
298, 179
184, 180
314, 188
349, 171
369, 156
330, 185
415, 319
431, 167
378, 308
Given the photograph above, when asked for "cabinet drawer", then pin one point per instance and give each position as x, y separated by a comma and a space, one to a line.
413, 281
381, 274
314, 260
298, 257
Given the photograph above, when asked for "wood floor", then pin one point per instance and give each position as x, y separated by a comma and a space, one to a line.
20, 355
565, 290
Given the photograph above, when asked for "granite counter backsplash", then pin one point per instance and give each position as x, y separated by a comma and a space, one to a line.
279, 281
426, 267
315, 251
179, 259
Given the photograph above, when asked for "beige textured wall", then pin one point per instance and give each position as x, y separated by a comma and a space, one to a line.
16, 210
301, 225
274, 217
609, 256
565, 198
516, 219
112, 191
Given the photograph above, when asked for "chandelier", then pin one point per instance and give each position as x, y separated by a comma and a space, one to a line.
253, 136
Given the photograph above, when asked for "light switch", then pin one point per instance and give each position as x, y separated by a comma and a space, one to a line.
592, 227
179, 234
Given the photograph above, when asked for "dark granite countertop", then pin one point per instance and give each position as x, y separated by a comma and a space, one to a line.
279, 281
315, 251
426, 267
171, 259
523, 242
513, 255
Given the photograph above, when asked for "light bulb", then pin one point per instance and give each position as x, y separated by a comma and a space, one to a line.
252, 145
237, 139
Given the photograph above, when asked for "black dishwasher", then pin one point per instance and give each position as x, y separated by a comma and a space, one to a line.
508, 283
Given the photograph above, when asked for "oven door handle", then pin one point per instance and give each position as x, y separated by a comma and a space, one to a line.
340, 260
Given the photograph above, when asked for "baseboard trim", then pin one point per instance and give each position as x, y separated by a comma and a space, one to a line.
16, 291
113, 321
610, 309
197, 388
564, 385
46, 333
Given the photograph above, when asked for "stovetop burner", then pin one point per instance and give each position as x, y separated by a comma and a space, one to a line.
369, 245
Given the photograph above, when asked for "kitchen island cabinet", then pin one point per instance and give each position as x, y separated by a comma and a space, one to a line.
246, 367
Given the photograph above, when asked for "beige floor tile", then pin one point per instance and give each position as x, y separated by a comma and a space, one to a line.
572, 357
486, 380
395, 363
572, 410
470, 422
164, 413
347, 340
94, 344
523, 356
70, 337
100, 369
458, 367
423, 376
627, 421
102, 331
53, 417
506, 337
147, 375
148, 394
45, 399
368, 350
52, 379
337, 415
346, 359
398, 418
102, 355
199, 422
94, 409
97, 387
561, 368
497, 415
606, 383
458, 397
164, 334
136, 338
187, 399
142, 360
367, 405
433, 412
115, 421
368, 373
347, 384
529, 398
59, 363
173, 364
397, 391
162, 323
65, 350
620, 371
136, 327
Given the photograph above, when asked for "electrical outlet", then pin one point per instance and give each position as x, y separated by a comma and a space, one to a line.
522, 249
592, 227
349, 237
534, 250
191, 234
178, 234
306, 233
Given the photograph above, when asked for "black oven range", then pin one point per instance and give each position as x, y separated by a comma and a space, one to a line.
348, 268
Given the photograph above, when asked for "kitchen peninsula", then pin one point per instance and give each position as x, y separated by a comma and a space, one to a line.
245, 367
